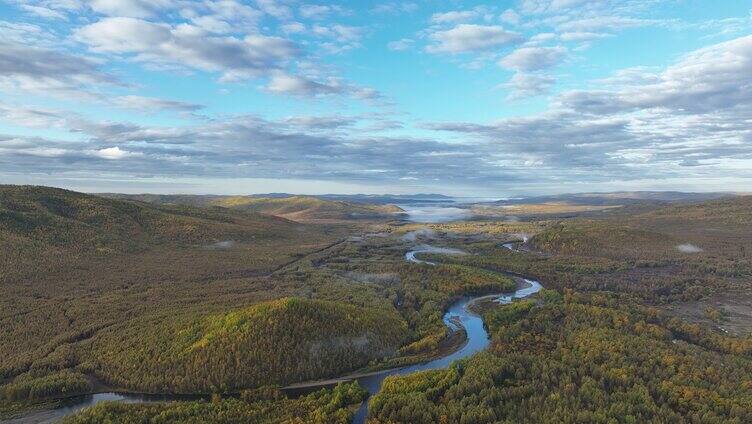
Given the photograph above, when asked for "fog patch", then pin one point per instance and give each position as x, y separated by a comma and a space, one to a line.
688, 248
426, 248
521, 236
425, 233
434, 214
222, 245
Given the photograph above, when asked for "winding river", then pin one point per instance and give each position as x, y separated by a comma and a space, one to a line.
477, 340
477, 336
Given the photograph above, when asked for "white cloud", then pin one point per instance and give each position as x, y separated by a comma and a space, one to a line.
454, 16
343, 37
510, 16
42, 11
533, 58
275, 8
601, 23
395, 7
582, 36
469, 37
151, 104
130, 8
714, 78
548, 6
282, 83
525, 85
295, 85
188, 46
113, 153
318, 11
690, 121
26, 68
402, 44
343, 33
293, 28
32, 117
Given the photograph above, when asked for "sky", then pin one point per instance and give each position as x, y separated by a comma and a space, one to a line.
463, 98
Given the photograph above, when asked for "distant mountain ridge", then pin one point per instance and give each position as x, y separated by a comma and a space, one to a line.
619, 198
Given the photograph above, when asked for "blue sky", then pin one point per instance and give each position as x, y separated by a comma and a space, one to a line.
465, 98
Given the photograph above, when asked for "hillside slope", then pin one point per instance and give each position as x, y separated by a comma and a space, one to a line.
276, 342
307, 208
296, 208
45, 217
74, 265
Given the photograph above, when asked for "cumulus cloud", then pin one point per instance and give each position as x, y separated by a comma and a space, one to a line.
690, 120
582, 21
454, 16
582, 36
222, 16
469, 37
318, 11
44, 12
687, 120
533, 58
130, 8
187, 45
510, 16
275, 8
283, 83
151, 104
32, 117
113, 153
321, 122
43, 70
249, 146
342, 37
525, 85
715, 78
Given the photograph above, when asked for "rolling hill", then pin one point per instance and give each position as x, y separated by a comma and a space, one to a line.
296, 208
275, 342
75, 264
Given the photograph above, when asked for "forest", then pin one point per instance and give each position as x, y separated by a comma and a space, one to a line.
581, 358
633, 326
270, 343
333, 406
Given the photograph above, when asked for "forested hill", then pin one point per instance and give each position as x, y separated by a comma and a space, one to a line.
44, 217
296, 208
276, 342
77, 270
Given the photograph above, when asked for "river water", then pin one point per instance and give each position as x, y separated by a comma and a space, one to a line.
477, 336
